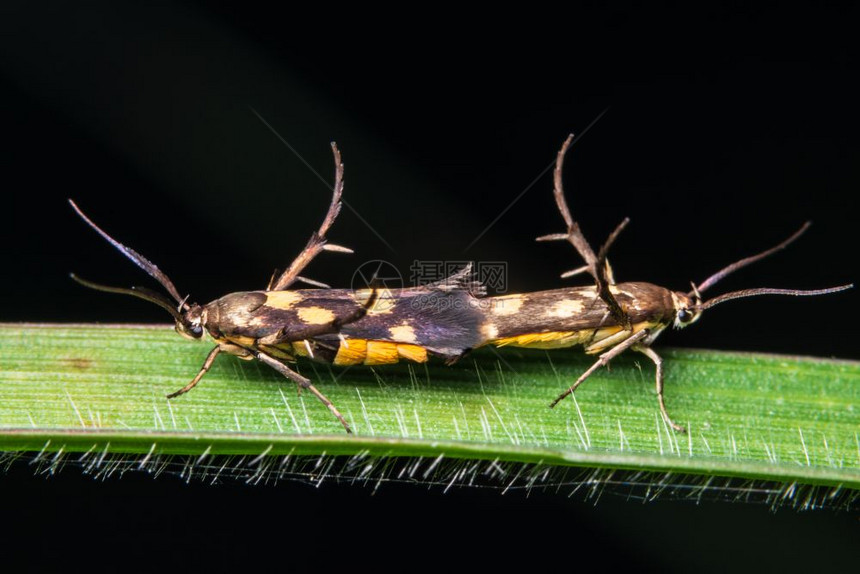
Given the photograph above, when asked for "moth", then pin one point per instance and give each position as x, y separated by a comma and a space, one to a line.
372, 326
608, 318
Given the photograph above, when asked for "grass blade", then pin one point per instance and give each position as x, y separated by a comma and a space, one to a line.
75, 388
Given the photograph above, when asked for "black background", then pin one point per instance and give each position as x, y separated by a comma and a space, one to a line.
725, 129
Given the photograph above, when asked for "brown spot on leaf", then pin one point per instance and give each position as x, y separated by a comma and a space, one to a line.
78, 363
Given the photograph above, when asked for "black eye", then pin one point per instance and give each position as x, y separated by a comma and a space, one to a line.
684, 316
190, 330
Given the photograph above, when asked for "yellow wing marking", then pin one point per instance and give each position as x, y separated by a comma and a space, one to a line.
403, 333
315, 315
552, 340
385, 302
288, 351
282, 299
351, 352
381, 353
489, 331
363, 352
595, 340
506, 304
412, 353
297, 348
239, 340
566, 308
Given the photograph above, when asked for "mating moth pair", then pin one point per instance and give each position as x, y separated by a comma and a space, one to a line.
447, 319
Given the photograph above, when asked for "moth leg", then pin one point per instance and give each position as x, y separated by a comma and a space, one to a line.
596, 264
303, 383
317, 242
658, 361
207, 364
602, 361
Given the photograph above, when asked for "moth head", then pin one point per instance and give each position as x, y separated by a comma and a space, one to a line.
190, 323
188, 317
688, 308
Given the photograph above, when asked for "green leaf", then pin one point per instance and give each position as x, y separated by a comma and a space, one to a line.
75, 388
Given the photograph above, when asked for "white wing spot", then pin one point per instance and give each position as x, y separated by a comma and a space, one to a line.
566, 308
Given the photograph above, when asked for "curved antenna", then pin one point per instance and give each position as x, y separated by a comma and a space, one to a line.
595, 264
139, 292
729, 269
136, 258
318, 241
768, 291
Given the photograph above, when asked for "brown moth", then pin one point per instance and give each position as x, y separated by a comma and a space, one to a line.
608, 318
372, 326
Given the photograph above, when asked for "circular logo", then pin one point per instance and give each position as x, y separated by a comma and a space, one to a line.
378, 275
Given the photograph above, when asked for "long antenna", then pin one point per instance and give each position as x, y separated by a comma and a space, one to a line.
729, 269
139, 292
136, 258
768, 291
318, 241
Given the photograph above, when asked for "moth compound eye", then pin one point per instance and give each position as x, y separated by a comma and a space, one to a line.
684, 316
189, 330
